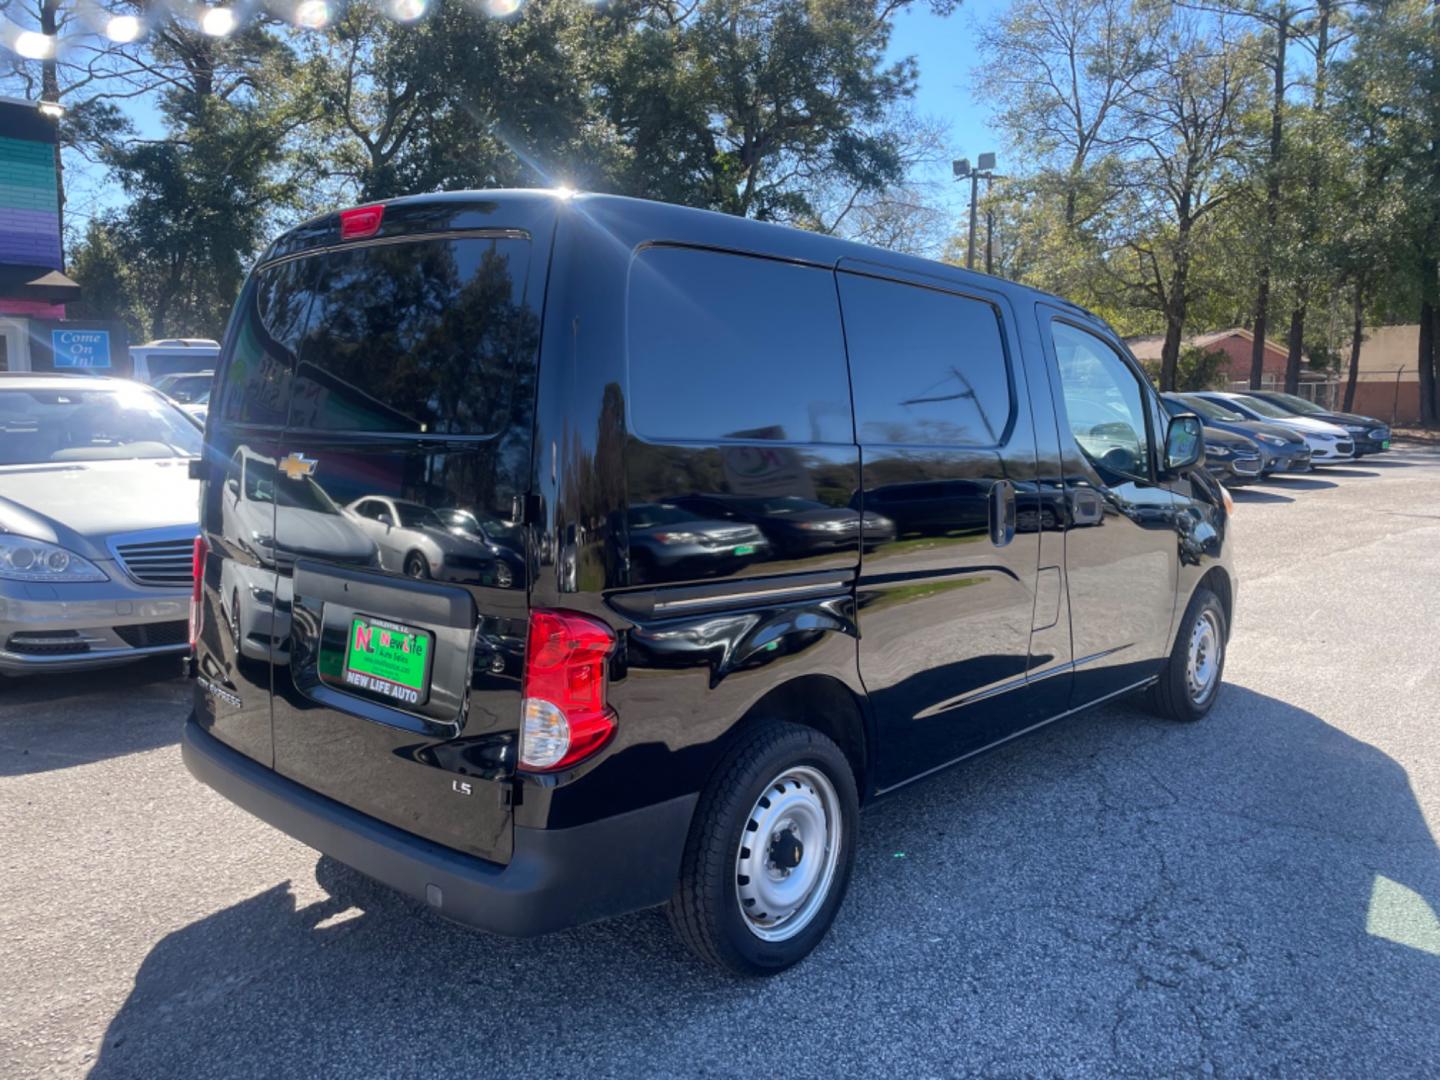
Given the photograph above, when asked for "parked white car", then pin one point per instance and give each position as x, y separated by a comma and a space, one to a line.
1329, 443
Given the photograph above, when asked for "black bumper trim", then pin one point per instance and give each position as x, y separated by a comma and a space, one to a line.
556, 878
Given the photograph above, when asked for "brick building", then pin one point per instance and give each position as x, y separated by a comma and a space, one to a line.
1236, 343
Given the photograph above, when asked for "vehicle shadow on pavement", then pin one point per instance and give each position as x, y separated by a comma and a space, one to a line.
1256, 893
61, 720
1250, 494
1299, 483
1349, 471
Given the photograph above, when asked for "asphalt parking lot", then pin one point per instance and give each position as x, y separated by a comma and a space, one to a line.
1256, 894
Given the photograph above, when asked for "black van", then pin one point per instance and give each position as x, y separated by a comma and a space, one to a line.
540, 579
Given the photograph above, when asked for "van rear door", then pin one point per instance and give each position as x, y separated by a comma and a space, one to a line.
398, 545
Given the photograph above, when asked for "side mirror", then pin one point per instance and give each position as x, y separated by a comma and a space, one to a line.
1184, 443
233, 487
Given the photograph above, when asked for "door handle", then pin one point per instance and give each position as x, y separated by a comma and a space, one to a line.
1002, 512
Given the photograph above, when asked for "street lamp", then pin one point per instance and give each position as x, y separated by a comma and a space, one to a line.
984, 168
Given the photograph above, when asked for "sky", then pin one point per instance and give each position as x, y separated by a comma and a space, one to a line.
945, 51
943, 47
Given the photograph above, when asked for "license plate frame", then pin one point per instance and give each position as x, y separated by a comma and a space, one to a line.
396, 666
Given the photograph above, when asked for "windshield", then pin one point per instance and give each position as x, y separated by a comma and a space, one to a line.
1264, 408
644, 515
185, 388
415, 516
178, 364
1207, 409
1294, 404
92, 425
302, 494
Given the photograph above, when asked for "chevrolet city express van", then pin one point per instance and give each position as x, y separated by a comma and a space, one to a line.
915, 512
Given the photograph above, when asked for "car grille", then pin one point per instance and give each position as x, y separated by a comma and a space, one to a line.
1344, 448
150, 635
159, 562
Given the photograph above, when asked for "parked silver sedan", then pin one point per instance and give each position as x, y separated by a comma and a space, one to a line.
97, 522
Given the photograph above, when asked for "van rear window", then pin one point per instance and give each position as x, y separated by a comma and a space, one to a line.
421, 337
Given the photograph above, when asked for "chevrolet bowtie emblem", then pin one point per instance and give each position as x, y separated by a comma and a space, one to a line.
296, 466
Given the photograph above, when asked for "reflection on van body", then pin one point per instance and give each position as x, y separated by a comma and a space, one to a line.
260, 503
668, 543
416, 541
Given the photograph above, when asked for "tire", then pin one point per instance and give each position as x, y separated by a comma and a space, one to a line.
1185, 693
815, 817
416, 566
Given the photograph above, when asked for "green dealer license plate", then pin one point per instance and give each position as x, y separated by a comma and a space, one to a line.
389, 658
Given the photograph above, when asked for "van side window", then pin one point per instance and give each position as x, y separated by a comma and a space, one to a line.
1104, 403
928, 367
734, 347
426, 337
269, 319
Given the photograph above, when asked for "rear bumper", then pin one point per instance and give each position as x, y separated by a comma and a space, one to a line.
556, 878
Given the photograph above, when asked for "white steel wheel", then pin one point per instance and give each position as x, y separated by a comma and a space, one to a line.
1203, 656
787, 854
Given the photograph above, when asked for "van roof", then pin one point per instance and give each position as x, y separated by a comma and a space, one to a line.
634, 222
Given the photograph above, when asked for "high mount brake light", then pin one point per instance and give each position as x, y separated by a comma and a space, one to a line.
361, 221
565, 717
197, 589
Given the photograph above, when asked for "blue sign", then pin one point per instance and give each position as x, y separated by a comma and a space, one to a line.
81, 348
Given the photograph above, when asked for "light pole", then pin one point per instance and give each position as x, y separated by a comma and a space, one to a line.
984, 168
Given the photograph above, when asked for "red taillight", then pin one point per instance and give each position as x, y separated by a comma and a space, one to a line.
564, 716
360, 222
197, 589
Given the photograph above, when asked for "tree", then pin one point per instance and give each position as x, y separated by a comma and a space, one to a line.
201, 199
1189, 163
751, 106
1391, 86
1063, 73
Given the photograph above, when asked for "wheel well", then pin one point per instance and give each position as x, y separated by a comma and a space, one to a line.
1218, 582
825, 704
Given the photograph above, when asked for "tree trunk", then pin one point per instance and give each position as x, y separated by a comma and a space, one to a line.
1357, 333
1174, 324
1272, 205
1295, 342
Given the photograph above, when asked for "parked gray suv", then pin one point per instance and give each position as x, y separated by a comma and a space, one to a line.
97, 522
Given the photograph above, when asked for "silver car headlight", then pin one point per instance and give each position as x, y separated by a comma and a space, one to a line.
1217, 451
23, 559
